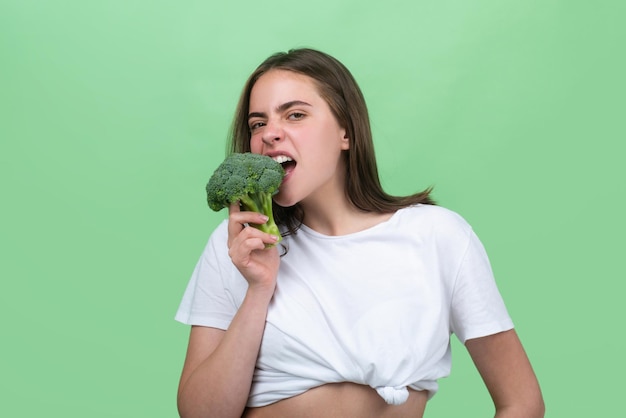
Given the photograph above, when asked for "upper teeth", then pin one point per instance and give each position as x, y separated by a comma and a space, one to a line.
281, 159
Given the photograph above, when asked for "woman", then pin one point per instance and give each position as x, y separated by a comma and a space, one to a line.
350, 316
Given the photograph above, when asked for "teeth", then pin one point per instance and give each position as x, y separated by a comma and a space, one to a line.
281, 159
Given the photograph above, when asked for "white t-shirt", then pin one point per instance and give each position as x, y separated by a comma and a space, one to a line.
376, 307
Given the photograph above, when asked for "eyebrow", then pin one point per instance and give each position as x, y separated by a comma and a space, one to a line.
279, 109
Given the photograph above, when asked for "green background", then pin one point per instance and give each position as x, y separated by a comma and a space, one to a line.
114, 114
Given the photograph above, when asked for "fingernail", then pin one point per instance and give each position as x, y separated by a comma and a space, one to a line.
265, 218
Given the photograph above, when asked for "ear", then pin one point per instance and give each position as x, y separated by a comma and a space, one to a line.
345, 141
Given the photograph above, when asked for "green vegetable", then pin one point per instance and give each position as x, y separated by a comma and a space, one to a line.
251, 179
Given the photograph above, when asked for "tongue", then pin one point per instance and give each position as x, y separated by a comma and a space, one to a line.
288, 166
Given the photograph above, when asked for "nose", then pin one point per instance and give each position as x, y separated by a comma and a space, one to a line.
272, 133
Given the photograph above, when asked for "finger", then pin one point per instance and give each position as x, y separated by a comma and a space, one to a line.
238, 234
251, 254
254, 234
249, 245
238, 219
234, 208
234, 225
246, 217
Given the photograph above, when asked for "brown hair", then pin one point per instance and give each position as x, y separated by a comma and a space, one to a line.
340, 90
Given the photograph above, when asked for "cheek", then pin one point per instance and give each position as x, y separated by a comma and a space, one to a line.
256, 145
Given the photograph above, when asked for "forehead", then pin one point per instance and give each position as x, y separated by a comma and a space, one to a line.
283, 85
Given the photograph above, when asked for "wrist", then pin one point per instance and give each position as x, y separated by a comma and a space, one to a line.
261, 292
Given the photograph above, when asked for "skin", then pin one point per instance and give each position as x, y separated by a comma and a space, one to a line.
289, 117
508, 375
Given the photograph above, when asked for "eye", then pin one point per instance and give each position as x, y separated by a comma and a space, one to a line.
296, 116
256, 125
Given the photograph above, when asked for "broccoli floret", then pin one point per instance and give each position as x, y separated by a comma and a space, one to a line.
251, 179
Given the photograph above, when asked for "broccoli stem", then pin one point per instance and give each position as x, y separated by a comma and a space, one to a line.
261, 203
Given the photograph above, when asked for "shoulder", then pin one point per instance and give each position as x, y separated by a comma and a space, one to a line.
217, 243
220, 233
437, 227
437, 220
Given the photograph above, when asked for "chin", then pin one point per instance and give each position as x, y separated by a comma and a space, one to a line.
284, 201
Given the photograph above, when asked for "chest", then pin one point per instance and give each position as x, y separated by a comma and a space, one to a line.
351, 281
340, 307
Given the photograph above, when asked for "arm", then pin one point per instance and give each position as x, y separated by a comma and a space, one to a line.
508, 375
218, 369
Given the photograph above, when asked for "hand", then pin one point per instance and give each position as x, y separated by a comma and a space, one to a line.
247, 249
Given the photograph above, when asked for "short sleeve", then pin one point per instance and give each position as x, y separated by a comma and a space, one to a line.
213, 293
477, 306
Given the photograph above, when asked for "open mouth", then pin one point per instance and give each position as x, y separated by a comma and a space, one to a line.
287, 163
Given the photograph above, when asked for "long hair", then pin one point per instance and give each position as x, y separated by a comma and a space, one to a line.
339, 89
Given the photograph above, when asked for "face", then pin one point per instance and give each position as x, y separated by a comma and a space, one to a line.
290, 122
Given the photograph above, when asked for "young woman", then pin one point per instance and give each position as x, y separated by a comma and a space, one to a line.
351, 315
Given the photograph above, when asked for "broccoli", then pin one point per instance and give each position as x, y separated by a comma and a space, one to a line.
251, 179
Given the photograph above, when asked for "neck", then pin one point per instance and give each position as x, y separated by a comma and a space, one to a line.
336, 217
